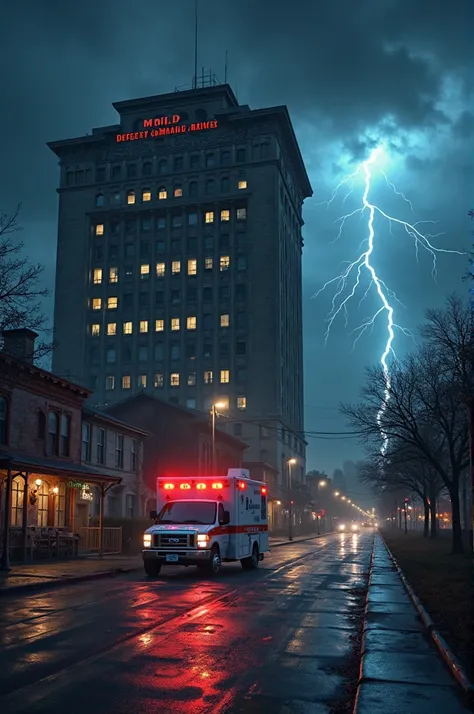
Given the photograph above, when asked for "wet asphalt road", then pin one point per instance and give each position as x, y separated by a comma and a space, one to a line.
269, 641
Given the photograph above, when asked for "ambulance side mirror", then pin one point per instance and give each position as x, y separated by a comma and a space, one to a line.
153, 515
225, 519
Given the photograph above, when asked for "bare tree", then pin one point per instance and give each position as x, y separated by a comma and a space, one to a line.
408, 470
425, 414
21, 293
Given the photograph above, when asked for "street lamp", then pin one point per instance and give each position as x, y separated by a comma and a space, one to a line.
290, 462
336, 493
214, 408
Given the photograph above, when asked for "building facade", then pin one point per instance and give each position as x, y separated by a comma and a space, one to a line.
180, 441
114, 447
48, 491
179, 264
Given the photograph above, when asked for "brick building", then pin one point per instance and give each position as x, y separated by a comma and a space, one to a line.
180, 439
44, 485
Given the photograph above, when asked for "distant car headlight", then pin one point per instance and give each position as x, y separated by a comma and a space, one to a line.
147, 540
355, 527
342, 527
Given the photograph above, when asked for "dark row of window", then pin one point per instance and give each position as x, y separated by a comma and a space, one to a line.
101, 450
54, 429
157, 353
175, 246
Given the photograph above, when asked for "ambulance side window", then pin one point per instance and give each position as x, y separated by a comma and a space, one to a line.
221, 513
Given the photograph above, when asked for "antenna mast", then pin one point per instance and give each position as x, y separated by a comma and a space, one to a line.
225, 68
195, 44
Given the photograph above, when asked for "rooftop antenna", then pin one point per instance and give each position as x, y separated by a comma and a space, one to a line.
225, 68
195, 44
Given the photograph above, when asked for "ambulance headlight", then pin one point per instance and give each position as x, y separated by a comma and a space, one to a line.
147, 540
202, 540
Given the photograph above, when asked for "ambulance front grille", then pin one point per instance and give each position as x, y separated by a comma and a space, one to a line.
174, 540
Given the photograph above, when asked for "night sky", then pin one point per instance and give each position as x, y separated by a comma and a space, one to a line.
353, 74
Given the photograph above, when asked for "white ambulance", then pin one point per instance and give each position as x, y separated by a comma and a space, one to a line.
208, 521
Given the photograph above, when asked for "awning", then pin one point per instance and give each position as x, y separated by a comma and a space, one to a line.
55, 467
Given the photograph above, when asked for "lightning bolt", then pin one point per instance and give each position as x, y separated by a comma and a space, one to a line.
350, 277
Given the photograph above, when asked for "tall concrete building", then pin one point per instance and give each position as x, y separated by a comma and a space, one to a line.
179, 265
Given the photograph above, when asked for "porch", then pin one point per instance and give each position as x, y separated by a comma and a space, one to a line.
43, 506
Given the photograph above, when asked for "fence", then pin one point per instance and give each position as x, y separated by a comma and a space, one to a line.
90, 537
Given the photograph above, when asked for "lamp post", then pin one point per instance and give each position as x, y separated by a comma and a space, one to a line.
290, 508
214, 408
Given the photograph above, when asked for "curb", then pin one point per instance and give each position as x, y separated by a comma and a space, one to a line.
371, 570
59, 583
450, 659
299, 540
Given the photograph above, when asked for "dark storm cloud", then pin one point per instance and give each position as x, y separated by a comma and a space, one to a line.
350, 71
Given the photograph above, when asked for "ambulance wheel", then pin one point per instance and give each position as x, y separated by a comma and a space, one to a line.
215, 563
152, 568
253, 562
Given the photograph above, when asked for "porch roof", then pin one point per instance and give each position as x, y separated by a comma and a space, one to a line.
53, 467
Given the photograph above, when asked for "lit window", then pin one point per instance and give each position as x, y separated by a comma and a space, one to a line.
174, 379
225, 215
112, 329
175, 267
207, 263
97, 276
110, 382
242, 184
225, 320
241, 402
191, 379
208, 377
225, 376
112, 303
127, 328
146, 195
159, 380
142, 381
113, 275
192, 267
160, 270
144, 272
159, 325
143, 326
130, 197
178, 192
95, 330
99, 229
126, 381
209, 216
175, 323
191, 323
241, 214
96, 303
162, 194
224, 262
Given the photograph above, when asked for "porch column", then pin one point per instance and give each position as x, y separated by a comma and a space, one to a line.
101, 521
5, 558
24, 522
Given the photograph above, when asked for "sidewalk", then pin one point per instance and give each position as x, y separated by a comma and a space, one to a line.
37, 575
400, 670
33, 576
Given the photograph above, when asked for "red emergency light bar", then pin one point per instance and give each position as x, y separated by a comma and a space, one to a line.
200, 486
242, 485
264, 491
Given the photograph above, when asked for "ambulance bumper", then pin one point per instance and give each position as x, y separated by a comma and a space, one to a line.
189, 557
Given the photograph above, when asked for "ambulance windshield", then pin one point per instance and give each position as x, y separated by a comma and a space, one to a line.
195, 512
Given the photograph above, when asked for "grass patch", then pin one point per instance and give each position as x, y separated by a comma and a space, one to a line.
445, 585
